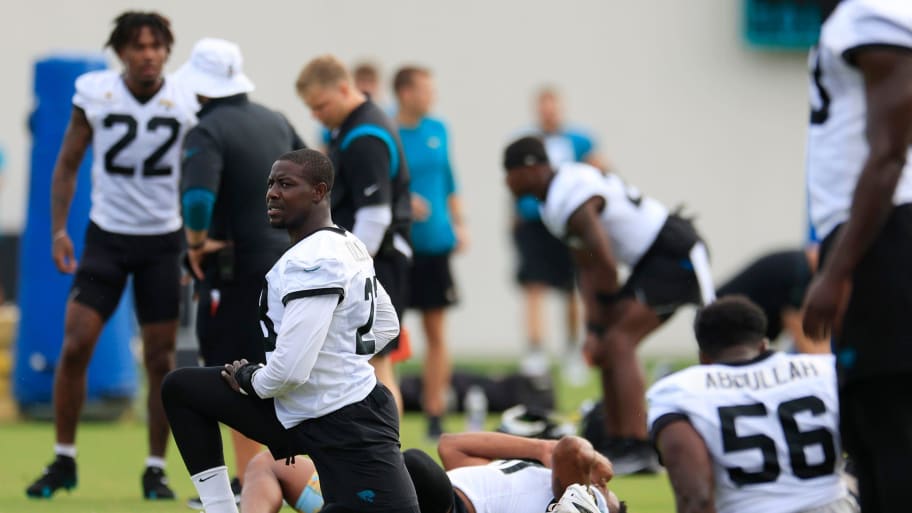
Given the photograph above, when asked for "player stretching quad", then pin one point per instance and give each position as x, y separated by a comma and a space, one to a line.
323, 314
607, 222
135, 120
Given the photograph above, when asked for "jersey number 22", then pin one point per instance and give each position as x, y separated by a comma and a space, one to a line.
150, 165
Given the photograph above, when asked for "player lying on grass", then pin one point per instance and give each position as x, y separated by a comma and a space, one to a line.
485, 473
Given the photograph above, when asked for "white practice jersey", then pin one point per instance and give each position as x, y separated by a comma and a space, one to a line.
317, 359
771, 426
508, 485
137, 153
837, 147
631, 219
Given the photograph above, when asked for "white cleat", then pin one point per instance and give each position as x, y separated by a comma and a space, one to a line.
576, 499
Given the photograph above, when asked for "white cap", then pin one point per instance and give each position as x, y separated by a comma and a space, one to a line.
214, 69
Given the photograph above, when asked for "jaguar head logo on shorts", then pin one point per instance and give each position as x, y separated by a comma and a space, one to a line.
367, 496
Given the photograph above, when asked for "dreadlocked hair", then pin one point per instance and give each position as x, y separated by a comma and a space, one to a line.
128, 24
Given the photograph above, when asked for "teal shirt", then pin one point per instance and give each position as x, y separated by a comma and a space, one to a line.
426, 149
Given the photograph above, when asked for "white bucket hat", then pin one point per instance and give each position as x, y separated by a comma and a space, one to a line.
214, 69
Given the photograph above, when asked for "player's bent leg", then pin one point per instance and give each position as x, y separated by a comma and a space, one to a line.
263, 492
159, 340
534, 294
244, 450
300, 484
158, 357
436, 373
82, 327
196, 399
617, 352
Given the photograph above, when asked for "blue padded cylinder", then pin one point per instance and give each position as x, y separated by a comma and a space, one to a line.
43, 291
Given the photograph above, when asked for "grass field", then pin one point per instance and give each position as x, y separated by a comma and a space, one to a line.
111, 457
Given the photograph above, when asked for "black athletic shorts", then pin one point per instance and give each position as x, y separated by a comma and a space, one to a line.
109, 258
543, 258
431, 282
357, 454
355, 449
228, 321
392, 268
665, 277
875, 419
876, 337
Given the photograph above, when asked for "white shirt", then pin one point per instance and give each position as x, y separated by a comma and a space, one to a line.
837, 147
508, 486
323, 314
631, 220
137, 153
753, 417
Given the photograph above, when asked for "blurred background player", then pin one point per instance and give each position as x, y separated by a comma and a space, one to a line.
607, 223
437, 229
544, 262
371, 194
230, 243
749, 430
366, 76
860, 192
485, 473
135, 121
776, 282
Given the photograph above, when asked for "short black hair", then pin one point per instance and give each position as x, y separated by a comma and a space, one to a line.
405, 77
127, 25
432, 485
525, 151
317, 166
730, 321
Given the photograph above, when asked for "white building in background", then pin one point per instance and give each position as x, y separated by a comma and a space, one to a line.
678, 101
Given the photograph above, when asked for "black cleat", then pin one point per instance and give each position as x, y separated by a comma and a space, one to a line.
197, 504
61, 473
434, 428
155, 485
632, 456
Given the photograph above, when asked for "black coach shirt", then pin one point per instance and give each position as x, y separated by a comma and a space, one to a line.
775, 281
370, 170
230, 153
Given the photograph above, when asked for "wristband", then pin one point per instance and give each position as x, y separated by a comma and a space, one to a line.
198, 245
59, 234
244, 378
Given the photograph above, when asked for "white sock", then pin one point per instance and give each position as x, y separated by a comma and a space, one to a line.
65, 450
155, 461
214, 489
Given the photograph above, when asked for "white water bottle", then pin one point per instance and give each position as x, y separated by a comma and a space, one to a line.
476, 408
